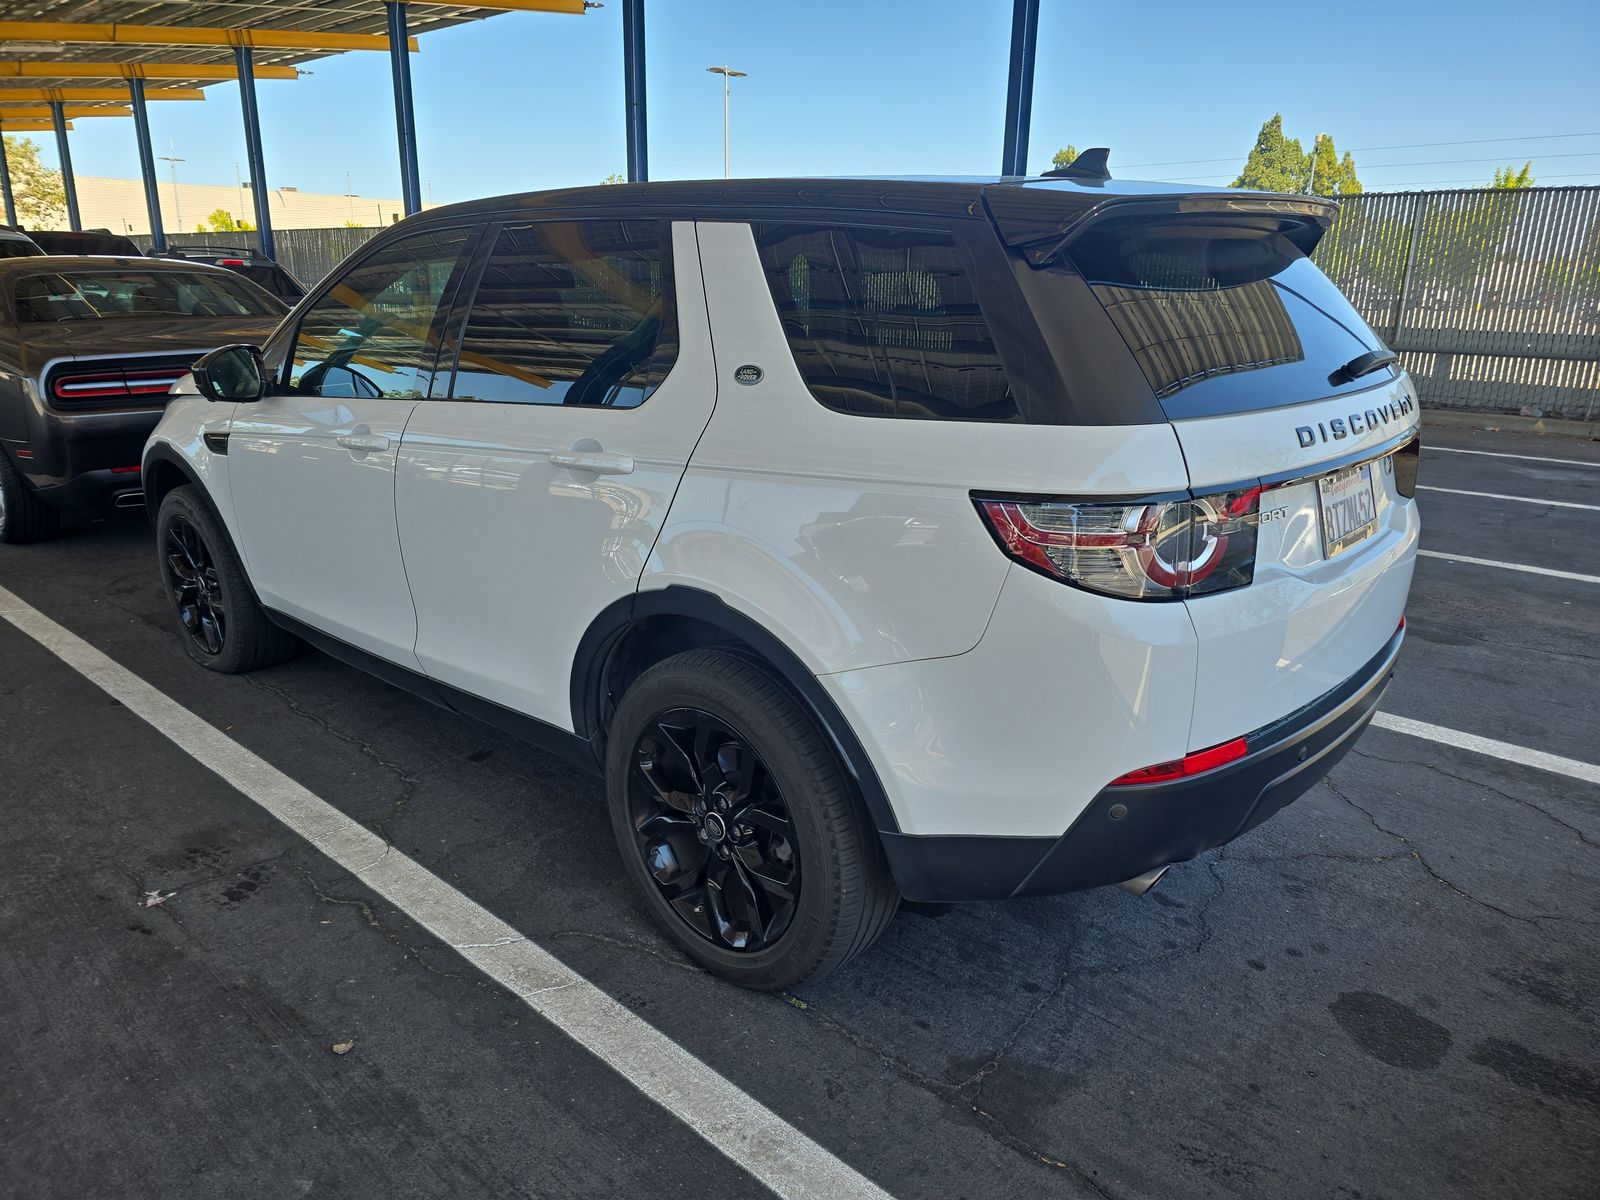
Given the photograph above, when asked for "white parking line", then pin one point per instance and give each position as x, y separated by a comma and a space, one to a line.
1570, 767
1566, 462
1422, 487
728, 1118
1506, 566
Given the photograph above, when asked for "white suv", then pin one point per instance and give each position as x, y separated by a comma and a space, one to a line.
939, 539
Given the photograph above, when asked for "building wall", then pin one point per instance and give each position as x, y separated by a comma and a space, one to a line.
118, 205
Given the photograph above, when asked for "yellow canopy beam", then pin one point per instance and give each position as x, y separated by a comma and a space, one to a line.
159, 35
7, 126
71, 110
574, 7
114, 94
29, 69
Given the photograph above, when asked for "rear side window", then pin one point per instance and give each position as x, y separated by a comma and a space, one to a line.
1222, 317
885, 322
571, 312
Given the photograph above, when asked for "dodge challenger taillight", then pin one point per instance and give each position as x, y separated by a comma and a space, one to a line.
112, 383
1140, 550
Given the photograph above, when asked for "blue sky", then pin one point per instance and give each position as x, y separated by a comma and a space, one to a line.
842, 87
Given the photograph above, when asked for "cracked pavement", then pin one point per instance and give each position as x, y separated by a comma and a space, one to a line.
1389, 990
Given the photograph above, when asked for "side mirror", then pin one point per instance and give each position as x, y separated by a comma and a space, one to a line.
232, 374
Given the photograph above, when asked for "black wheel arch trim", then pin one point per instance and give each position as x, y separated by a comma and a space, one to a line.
606, 631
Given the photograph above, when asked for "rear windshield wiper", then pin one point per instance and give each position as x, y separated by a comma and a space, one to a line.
1364, 364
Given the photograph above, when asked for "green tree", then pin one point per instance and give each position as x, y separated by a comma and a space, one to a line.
1275, 163
1279, 164
40, 196
1327, 173
1510, 179
1064, 158
613, 178
223, 221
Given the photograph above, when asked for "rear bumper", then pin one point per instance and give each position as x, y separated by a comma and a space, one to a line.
1126, 831
73, 457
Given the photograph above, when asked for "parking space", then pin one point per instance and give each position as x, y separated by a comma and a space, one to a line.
1388, 990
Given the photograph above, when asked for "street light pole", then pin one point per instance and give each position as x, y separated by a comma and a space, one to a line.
727, 73
171, 156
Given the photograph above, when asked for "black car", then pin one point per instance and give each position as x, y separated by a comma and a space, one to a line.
88, 349
84, 241
259, 270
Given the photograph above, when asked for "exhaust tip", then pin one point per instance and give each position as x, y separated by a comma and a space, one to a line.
129, 500
1140, 884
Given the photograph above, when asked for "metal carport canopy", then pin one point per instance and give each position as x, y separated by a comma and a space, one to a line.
53, 50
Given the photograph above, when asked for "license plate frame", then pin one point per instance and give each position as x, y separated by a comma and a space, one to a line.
1345, 520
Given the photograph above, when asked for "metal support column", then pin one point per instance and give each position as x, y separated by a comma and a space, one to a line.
59, 117
633, 90
147, 162
1019, 87
5, 186
405, 117
259, 195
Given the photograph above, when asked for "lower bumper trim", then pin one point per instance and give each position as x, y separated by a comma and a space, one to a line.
1126, 832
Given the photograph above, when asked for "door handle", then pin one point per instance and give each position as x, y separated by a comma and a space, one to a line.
363, 443
596, 462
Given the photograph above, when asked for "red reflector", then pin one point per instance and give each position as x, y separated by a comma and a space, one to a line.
24, 453
124, 470
1402, 624
1197, 763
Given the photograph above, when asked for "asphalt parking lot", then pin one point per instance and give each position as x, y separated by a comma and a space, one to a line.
1390, 990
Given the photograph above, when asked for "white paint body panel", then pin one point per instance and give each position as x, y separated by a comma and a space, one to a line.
511, 556
854, 539
1306, 623
316, 520
185, 421
1065, 692
1224, 450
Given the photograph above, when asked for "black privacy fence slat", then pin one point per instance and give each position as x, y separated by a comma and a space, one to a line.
1491, 297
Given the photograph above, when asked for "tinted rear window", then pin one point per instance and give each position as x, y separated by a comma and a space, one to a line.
1222, 318
885, 322
97, 295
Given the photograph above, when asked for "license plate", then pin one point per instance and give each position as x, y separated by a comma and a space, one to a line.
1349, 508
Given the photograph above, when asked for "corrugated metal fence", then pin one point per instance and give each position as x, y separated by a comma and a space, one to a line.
1491, 297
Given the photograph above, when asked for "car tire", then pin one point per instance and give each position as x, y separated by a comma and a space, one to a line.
221, 625
23, 516
757, 788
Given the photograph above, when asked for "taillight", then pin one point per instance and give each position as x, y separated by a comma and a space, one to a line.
1406, 461
1146, 550
1197, 763
88, 386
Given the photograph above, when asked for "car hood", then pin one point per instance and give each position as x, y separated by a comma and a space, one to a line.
137, 335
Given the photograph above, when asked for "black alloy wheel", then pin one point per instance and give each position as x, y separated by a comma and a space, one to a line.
713, 830
195, 585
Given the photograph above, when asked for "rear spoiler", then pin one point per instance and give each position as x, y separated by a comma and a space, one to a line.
1041, 222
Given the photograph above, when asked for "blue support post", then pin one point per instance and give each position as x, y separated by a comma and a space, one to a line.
259, 195
147, 163
1019, 87
633, 90
405, 117
70, 185
5, 186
